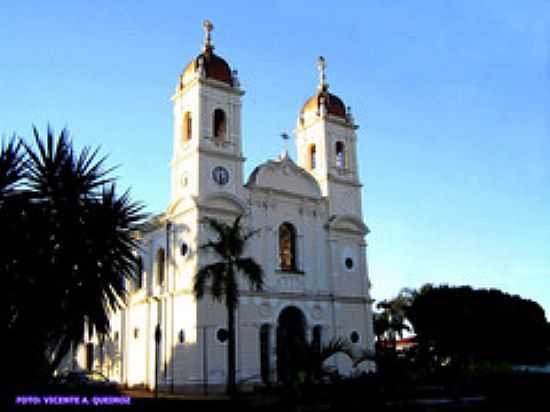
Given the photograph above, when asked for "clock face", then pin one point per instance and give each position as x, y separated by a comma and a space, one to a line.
220, 175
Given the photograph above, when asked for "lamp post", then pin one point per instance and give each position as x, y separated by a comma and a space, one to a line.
158, 338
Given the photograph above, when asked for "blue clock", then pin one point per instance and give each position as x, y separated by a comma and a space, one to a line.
220, 175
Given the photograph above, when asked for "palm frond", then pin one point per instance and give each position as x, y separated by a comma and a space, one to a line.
252, 271
204, 274
12, 164
334, 346
250, 234
229, 246
218, 285
218, 226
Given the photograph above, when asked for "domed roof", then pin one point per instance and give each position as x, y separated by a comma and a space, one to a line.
214, 66
334, 105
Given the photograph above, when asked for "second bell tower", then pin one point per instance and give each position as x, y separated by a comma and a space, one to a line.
327, 148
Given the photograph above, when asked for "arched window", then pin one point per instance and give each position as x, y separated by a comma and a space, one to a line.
312, 153
187, 126
139, 273
340, 155
265, 352
219, 123
160, 267
287, 246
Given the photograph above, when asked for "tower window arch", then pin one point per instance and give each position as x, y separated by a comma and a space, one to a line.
287, 246
340, 155
312, 157
219, 123
187, 126
160, 266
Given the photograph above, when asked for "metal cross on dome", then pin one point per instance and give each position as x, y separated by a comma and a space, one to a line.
208, 27
322, 65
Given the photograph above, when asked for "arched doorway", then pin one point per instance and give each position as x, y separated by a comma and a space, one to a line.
291, 340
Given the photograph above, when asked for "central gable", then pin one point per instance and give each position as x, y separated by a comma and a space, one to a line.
285, 176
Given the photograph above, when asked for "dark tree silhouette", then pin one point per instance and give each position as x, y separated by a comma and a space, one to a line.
70, 249
220, 279
467, 324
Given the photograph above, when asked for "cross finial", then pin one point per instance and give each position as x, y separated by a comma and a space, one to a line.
322, 65
208, 27
285, 138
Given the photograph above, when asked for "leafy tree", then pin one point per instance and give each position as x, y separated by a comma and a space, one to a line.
70, 252
391, 322
220, 279
465, 324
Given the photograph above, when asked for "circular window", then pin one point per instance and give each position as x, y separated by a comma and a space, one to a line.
354, 337
220, 175
184, 249
222, 335
349, 263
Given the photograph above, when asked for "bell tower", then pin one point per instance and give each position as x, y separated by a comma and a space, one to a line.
327, 147
207, 154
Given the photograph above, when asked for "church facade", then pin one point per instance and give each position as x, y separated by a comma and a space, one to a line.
310, 242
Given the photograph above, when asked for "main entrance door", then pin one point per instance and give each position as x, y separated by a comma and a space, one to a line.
291, 328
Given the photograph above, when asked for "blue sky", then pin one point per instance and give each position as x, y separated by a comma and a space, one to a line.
452, 99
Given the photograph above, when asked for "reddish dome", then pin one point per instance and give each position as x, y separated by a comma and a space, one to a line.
214, 67
334, 104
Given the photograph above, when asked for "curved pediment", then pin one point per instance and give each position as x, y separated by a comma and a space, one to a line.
180, 205
348, 223
285, 176
222, 202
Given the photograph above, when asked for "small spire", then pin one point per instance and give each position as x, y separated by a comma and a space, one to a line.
208, 27
322, 65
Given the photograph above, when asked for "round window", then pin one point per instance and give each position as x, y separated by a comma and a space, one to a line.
220, 175
222, 335
184, 249
349, 263
354, 337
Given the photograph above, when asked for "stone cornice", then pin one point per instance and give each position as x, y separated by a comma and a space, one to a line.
207, 82
268, 294
336, 179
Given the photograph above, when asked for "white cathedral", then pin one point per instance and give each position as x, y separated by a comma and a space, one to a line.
310, 243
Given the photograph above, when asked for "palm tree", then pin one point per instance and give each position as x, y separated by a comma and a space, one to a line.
317, 354
73, 241
392, 321
11, 166
221, 275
